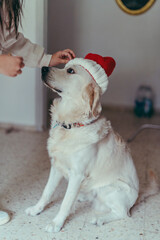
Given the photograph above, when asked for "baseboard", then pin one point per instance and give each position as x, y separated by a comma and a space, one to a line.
117, 108
124, 108
14, 127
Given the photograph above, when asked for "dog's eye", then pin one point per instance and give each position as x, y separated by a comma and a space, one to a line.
70, 70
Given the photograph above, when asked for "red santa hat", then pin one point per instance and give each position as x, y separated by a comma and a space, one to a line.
100, 68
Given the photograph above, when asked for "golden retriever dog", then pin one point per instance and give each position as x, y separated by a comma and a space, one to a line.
84, 148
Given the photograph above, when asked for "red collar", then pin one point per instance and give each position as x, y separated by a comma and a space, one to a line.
71, 125
68, 126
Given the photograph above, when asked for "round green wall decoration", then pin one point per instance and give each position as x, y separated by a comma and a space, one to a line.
135, 7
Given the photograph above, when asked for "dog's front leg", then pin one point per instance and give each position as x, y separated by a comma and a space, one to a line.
70, 196
53, 181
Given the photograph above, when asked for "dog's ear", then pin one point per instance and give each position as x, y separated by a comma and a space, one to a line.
92, 96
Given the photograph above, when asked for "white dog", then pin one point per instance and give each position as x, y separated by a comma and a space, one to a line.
84, 148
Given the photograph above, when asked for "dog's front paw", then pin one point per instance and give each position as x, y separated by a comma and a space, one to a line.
33, 211
55, 226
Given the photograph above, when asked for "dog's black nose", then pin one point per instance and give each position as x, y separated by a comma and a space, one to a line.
44, 72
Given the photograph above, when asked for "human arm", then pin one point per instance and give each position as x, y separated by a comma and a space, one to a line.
33, 54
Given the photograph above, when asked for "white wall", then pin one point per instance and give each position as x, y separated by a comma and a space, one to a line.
22, 98
102, 27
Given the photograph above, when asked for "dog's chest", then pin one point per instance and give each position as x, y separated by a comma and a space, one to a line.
62, 148
69, 148
68, 141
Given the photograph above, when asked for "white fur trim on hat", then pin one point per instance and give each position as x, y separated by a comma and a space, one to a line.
95, 70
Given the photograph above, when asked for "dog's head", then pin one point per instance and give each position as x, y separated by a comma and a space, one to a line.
77, 85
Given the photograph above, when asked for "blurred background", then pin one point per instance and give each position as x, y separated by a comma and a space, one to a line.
85, 26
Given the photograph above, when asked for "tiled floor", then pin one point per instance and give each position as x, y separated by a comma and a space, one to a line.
24, 169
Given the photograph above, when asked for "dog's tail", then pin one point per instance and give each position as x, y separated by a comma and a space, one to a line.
151, 189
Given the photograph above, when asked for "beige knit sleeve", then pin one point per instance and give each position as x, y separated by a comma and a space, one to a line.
33, 54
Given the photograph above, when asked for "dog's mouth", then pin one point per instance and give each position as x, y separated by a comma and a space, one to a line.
57, 90
51, 87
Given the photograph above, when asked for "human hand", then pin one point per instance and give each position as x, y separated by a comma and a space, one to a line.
11, 65
61, 57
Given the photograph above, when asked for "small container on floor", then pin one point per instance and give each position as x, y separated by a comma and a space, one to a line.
4, 217
144, 102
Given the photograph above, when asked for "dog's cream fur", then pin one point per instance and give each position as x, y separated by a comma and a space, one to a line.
93, 158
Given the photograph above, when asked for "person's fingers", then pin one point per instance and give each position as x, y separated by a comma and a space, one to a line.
19, 71
66, 55
20, 58
16, 74
20, 62
61, 57
70, 52
22, 65
64, 61
13, 75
